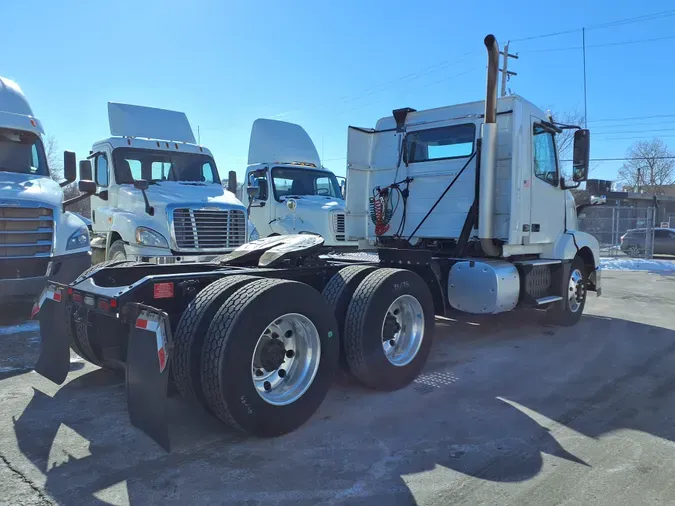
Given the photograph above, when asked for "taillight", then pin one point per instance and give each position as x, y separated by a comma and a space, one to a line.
77, 297
104, 304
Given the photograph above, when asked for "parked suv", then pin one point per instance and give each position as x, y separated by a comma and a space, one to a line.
633, 241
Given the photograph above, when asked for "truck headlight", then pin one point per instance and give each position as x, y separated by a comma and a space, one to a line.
78, 239
253, 234
149, 237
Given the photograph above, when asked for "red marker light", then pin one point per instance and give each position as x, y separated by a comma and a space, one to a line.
77, 297
103, 304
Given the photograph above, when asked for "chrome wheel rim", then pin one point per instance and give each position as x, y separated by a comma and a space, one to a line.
403, 330
286, 359
633, 251
576, 291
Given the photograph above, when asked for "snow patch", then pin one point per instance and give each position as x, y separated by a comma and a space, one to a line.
636, 264
20, 328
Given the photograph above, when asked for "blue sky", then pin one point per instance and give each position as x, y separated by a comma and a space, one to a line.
329, 64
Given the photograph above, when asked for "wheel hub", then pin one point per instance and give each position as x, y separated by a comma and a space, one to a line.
272, 354
403, 330
286, 359
391, 327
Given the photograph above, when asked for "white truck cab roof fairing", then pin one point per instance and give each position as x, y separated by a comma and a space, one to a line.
151, 123
279, 142
15, 111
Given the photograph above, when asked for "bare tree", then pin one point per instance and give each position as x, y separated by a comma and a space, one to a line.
54, 158
565, 139
650, 166
55, 164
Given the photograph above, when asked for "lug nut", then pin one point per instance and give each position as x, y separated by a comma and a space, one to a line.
282, 373
288, 333
290, 354
267, 386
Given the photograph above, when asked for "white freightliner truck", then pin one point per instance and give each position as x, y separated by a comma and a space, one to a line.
39, 239
159, 198
483, 224
296, 195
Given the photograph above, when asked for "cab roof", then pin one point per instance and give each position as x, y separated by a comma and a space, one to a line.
15, 111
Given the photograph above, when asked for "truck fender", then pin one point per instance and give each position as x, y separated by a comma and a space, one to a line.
575, 243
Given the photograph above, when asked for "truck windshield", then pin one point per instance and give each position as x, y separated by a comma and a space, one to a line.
158, 166
292, 182
22, 152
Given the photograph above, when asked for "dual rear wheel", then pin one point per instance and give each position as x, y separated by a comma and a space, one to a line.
261, 354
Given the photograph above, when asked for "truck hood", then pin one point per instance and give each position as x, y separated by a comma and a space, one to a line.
317, 203
42, 189
172, 192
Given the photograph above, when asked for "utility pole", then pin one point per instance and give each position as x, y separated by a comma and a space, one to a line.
506, 73
583, 43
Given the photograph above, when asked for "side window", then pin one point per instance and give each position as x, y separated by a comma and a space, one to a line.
543, 150
671, 235
102, 170
259, 180
661, 234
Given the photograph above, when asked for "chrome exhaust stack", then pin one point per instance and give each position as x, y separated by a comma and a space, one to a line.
488, 154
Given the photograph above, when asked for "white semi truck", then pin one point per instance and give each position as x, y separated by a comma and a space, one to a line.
39, 239
159, 196
484, 224
296, 195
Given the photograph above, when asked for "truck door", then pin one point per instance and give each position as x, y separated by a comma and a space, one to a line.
262, 206
547, 199
101, 207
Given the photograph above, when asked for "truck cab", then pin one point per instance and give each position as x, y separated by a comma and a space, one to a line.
295, 193
39, 239
159, 194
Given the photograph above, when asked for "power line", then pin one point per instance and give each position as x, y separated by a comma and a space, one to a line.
607, 44
637, 131
629, 158
632, 118
626, 21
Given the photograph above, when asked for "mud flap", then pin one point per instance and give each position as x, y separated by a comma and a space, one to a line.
51, 308
147, 373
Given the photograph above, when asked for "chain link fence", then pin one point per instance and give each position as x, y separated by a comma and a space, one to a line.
622, 231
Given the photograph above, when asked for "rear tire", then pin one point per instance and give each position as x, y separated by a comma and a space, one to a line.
568, 311
191, 332
389, 306
230, 353
79, 340
338, 293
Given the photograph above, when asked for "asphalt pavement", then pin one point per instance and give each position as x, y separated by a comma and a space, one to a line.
507, 411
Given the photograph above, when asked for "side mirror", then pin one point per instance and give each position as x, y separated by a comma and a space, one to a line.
87, 186
232, 182
69, 166
581, 157
141, 184
85, 170
252, 192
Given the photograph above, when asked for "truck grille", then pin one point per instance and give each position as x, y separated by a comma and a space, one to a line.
26, 232
208, 229
339, 226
